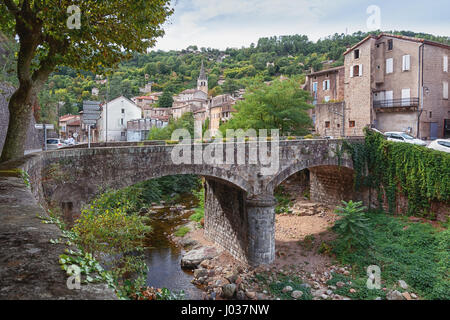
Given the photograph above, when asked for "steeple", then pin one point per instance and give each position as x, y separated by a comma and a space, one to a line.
202, 75
202, 81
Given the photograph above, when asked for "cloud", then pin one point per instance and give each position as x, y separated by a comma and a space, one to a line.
234, 23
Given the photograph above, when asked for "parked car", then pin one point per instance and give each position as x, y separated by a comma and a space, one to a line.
403, 137
54, 143
440, 145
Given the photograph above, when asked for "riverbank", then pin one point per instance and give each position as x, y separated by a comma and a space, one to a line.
312, 264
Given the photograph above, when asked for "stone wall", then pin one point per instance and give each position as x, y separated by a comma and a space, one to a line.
226, 221
331, 184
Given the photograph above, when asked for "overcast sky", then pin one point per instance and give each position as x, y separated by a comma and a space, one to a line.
235, 23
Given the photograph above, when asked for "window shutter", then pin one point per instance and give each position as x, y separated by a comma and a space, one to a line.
445, 63
360, 70
389, 65
406, 62
324, 85
351, 72
445, 93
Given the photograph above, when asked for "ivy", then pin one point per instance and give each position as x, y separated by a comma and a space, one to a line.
420, 174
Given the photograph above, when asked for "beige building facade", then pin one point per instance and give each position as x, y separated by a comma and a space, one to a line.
397, 83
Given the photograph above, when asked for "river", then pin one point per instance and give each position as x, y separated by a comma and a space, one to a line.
164, 256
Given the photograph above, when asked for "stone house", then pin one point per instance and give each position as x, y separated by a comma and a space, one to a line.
327, 90
220, 110
397, 83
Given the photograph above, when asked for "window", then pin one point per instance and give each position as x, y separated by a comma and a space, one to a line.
351, 124
406, 62
123, 110
326, 85
445, 63
327, 124
356, 71
356, 54
121, 122
390, 44
338, 125
431, 114
445, 93
390, 65
122, 134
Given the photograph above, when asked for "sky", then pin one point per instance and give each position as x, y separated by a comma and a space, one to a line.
235, 23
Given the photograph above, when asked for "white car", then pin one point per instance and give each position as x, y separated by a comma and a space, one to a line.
440, 145
403, 137
54, 143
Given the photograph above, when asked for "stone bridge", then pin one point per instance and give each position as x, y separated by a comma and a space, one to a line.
239, 205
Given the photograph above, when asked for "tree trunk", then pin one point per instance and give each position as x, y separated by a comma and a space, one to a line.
20, 112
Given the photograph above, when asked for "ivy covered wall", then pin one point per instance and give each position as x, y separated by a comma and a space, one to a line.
401, 170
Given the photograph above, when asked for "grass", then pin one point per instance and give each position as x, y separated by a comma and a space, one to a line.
198, 215
181, 232
415, 252
283, 200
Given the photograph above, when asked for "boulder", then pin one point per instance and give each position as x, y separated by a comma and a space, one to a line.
193, 258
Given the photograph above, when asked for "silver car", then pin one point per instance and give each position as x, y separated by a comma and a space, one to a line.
53, 144
403, 137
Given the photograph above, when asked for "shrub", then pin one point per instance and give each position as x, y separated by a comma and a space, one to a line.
353, 227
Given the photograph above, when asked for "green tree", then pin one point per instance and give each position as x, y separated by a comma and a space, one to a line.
281, 105
166, 99
109, 32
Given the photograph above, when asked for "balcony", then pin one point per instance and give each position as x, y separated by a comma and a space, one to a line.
396, 104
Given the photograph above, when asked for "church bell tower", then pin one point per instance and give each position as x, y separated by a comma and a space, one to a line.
202, 81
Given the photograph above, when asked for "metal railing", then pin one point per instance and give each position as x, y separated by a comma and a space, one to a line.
395, 103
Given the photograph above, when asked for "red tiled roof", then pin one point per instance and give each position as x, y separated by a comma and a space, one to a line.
377, 37
67, 117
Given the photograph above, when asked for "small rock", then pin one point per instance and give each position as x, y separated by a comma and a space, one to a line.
240, 295
414, 296
250, 294
332, 287
403, 284
352, 290
394, 295
305, 285
378, 298
340, 284
287, 289
406, 295
198, 273
297, 294
324, 296
232, 276
329, 292
228, 290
